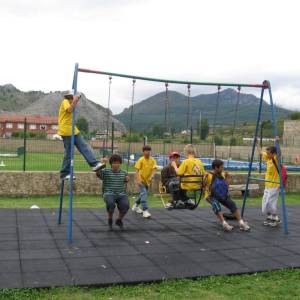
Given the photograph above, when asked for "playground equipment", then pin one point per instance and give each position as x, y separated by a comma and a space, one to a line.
265, 86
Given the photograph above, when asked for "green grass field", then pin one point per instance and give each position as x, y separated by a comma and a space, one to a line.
45, 162
283, 284
95, 201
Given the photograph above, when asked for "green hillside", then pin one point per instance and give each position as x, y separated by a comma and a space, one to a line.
14, 100
151, 111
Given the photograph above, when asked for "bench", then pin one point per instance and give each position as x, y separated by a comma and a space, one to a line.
240, 189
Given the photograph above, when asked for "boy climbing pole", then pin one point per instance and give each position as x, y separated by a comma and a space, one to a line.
65, 131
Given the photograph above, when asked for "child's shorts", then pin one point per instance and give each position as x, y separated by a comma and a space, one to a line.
216, 204
121, 200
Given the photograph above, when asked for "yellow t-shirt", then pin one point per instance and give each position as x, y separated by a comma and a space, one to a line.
145, 166
208, 182
191, 166
65, 120
271, 173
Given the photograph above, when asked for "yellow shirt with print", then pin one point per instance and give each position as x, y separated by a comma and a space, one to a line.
65, 120
271, 173
145, 166
191, 166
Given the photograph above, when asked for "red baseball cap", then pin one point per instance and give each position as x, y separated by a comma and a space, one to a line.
174, 153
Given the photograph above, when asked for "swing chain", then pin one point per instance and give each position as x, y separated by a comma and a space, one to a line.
130, 123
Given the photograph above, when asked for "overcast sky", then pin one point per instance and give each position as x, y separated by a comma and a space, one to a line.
243, 41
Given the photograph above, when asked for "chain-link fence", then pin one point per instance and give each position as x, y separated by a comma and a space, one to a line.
25, 146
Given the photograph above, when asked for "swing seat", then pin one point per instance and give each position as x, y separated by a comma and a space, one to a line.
195, 193
179, 204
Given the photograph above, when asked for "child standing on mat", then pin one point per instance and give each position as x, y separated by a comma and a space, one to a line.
114, 189
65, 131
145, 170
272, 188
190, 166
217, 193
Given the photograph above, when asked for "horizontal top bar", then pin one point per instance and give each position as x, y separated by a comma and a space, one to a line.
263, 85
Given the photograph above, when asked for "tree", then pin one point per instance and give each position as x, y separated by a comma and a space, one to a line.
295, 115
158, 131
204, 130
83, 125
218, 140
233, 141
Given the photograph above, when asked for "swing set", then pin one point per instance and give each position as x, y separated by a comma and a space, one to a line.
265, 86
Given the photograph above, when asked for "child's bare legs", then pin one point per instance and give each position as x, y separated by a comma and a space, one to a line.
217, 210
121, 215
110, 215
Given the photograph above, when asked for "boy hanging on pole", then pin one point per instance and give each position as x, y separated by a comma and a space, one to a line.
65, 131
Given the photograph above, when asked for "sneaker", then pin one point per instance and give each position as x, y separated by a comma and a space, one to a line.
227, 227
190, 202
68, 177
119, 223
244, 226
180, 204
99, 166
110, 222
146, 214
267, 221
275, 221
136, 209
169, 206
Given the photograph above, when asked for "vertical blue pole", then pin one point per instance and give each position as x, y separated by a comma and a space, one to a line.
62, 185
70, 214
274, 119
253, 149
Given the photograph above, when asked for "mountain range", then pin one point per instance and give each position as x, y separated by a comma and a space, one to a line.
146, 113
151, 111
12, 100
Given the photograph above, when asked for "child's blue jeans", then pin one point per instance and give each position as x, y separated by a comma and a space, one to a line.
142, 198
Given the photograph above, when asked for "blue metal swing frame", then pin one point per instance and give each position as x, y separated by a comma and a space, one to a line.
265, 85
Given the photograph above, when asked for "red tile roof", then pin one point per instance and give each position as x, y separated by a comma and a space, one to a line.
33, 119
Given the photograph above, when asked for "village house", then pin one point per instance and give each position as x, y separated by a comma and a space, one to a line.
10, 123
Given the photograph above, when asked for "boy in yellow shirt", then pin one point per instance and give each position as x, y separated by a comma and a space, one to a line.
272, 186
145, 170
65, 131
190, 166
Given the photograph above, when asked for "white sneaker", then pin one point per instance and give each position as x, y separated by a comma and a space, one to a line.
227, 227
169, 205
99, 166
190, 202
146, 214
244, 226
136, 209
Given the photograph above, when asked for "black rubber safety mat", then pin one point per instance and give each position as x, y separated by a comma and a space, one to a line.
34, 251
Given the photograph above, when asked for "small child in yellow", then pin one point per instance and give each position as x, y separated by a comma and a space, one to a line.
190, 166
145, 170
272, 188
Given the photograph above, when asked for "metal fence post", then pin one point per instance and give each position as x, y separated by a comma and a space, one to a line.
24, 144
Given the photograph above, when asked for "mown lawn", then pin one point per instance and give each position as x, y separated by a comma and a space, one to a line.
95, 201
283, 284
36, 161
